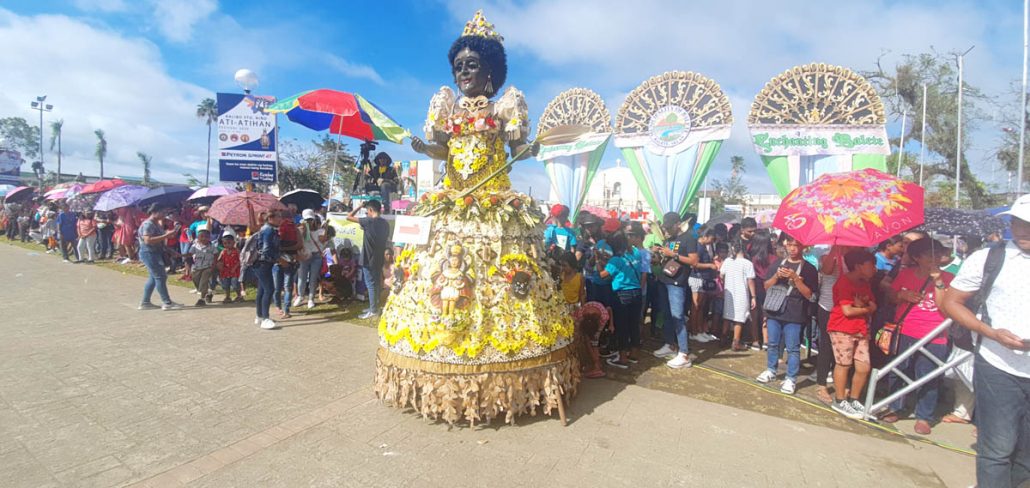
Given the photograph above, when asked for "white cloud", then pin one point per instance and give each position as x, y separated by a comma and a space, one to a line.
611, 45
101, 5
175, 19
353, 70
98, 79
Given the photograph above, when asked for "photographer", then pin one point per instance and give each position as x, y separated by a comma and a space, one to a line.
381, 177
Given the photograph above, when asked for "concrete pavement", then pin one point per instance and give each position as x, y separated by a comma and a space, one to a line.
96, 393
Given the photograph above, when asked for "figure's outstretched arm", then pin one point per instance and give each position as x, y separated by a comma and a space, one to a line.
529, 148
433, 150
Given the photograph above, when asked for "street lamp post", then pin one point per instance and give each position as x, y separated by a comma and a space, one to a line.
1022, 104
922, 137
958, 138
41, 107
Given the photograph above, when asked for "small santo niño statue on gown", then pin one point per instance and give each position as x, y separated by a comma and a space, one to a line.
477, 329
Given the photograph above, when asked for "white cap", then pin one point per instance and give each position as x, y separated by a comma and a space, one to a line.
308, 214
1020, 209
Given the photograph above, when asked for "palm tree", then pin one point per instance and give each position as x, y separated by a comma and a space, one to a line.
55, 136
101, 150
145, 159
207, 111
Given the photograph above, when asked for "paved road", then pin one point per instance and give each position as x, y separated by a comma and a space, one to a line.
96, 393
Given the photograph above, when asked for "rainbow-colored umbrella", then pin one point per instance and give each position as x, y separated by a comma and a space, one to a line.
347, 114
857, 208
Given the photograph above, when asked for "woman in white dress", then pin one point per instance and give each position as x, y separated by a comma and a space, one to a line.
738, 275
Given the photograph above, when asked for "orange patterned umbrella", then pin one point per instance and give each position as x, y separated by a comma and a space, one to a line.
858, 208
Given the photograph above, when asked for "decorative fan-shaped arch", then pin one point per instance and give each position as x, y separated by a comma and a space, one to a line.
817, 94
577, 106
701, 97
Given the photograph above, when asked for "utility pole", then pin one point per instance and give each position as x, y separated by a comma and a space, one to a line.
958, 138
901, 144
1022, 104
922, 138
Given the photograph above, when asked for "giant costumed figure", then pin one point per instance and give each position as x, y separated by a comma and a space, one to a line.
476, 330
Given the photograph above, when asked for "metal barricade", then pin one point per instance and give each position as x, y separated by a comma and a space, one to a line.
872, 407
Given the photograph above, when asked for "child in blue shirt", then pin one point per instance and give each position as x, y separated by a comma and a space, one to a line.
624, 273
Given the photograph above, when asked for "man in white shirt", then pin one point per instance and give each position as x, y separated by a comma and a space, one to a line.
1001, 377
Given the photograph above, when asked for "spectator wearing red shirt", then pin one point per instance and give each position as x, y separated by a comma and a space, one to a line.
228, 264
853, 306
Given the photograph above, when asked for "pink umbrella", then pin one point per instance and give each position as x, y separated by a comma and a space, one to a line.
858, 208
243, 208
59, 193
211, 193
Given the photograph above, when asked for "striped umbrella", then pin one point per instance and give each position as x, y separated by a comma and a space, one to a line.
347, 114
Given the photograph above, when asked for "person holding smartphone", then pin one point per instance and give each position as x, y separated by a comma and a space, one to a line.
152, 238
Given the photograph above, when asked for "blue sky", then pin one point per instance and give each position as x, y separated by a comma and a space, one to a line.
137, 68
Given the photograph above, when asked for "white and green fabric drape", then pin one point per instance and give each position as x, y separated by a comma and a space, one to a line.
572, 166
669, 177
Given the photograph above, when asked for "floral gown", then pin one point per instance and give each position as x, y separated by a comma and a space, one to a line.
477, 327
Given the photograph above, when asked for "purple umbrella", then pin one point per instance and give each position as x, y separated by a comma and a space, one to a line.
211, 193
123, 196
170, 195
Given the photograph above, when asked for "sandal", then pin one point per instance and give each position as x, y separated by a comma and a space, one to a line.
614, 362
890, 417
922, 427
597, 373
823, 394
953, 419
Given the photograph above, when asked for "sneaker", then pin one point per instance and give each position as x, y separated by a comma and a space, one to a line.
829, 378
609, 354
846, 409
615, 362
311, 304
858, 407
194, 291
209, 298
269, 324
755, 347
680, 361
766, 376
148, 306
200, 303
296, 301
67, 261
171, 306
788, 386
664, 352
367, 315
711, 337
696, 338
257, 320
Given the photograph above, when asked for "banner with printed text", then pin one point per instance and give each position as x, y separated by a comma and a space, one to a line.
246, 138
777, 140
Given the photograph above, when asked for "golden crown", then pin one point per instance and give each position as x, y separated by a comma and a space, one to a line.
479, 26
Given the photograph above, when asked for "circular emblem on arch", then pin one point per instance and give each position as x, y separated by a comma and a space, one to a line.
669, 126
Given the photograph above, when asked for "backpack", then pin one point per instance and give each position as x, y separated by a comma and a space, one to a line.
249, 253
962, 337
